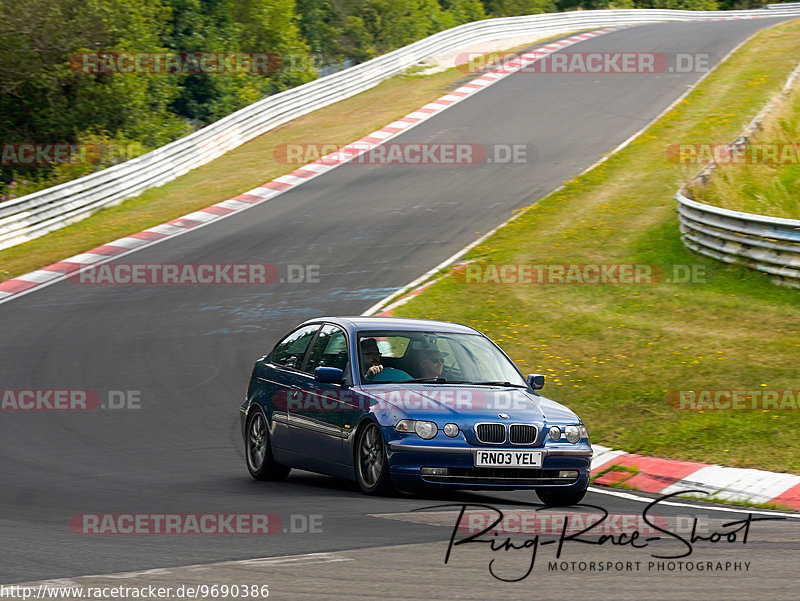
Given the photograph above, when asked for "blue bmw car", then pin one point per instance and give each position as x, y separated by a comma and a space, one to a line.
409, 404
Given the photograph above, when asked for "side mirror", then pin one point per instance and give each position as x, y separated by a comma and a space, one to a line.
328, 375
536, 381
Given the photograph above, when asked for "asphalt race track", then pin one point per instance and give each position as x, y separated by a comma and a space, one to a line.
187, 352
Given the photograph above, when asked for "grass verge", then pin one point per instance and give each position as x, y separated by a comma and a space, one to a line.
625, 469
616, 353
770, 184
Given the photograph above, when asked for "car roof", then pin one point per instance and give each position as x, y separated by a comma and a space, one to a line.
396, 323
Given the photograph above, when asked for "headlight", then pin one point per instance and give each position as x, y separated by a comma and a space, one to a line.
584, 431
573, 433
450, 430
555, 433
426, 430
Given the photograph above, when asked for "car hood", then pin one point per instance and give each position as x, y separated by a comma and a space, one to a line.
442, 403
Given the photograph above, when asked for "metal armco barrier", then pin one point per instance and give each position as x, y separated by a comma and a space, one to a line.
768, 244
36, 214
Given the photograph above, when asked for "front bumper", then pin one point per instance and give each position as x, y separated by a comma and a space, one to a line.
407, 458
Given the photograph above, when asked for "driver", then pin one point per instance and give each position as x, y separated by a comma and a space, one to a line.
371, 368
370, 358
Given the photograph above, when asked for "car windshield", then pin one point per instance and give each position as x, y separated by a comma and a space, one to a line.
388, 356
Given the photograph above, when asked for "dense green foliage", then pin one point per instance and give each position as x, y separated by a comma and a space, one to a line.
44, 99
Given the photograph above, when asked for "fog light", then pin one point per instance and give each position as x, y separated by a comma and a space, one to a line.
434, 471
567, 474
451, 430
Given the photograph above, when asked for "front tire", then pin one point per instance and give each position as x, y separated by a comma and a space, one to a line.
371, 464
554, 497
260, 462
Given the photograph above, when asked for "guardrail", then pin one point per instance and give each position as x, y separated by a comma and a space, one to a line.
36, 214
767, 244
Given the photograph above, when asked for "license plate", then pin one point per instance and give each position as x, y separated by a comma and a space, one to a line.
502, 458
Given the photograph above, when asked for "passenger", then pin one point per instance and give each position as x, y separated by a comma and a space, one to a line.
430, 363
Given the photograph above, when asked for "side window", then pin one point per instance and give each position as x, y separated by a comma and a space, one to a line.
290, 351
329, 350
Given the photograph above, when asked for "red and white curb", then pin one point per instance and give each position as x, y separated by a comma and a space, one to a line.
666, 476
29, 282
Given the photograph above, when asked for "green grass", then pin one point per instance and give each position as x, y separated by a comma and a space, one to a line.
617, 468
766, 189
239, 170
613, 353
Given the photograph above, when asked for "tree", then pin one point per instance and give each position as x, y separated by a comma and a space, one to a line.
47, 98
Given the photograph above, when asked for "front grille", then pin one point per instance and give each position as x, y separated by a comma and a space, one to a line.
523, 434
491, 433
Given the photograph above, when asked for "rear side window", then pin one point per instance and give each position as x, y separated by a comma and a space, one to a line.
290, 351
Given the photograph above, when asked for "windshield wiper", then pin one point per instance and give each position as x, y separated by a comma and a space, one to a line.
499, 384
441, 380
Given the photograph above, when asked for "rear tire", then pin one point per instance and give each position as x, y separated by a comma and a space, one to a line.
258, 452
371, 464
560, 498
